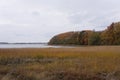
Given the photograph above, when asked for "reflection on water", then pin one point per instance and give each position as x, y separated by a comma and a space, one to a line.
27, 46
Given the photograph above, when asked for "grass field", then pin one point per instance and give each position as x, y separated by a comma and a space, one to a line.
80, 63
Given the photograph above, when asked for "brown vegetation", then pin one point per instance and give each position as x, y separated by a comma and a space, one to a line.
80, 63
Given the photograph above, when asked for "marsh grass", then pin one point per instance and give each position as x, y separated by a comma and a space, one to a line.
80, 63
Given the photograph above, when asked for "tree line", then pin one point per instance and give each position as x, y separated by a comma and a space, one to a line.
110, 36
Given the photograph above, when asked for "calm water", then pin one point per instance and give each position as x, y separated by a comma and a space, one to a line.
27, 46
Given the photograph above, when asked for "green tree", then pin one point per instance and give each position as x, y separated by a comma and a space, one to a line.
94, 39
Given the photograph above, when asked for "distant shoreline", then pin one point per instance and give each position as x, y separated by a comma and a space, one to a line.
23, 43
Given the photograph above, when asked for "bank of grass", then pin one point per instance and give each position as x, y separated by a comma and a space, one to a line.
80, 63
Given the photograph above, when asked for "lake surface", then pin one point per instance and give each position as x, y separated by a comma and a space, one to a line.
27, 46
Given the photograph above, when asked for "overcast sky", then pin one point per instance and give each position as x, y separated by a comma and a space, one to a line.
39, 20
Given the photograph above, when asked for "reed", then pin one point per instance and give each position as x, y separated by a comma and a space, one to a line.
82, 63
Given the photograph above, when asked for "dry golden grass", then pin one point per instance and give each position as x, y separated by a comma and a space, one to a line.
89, 51
73, 62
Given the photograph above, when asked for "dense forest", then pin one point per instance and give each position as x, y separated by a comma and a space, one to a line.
110, 36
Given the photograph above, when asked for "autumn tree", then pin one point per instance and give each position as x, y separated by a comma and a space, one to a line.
117, 33
107, 37
110, 36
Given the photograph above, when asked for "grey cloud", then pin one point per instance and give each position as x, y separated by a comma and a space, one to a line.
39, 20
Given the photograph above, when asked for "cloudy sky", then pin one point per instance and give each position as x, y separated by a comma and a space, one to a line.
39, 20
